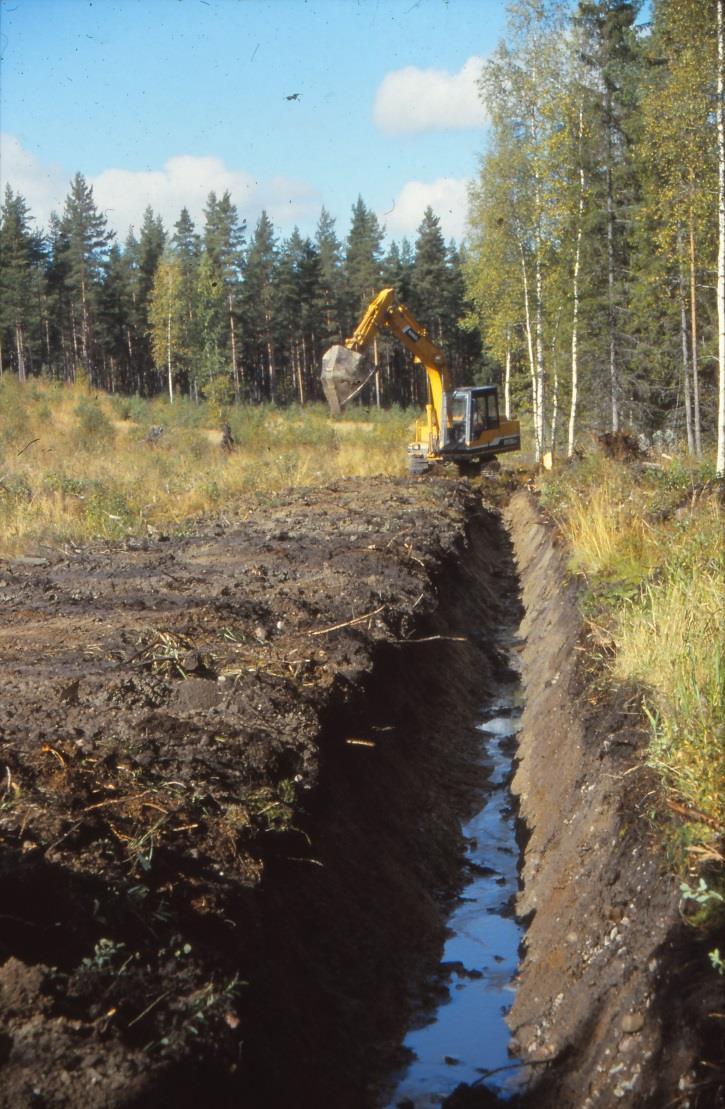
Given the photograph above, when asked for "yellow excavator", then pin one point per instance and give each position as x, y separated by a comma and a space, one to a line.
461, 425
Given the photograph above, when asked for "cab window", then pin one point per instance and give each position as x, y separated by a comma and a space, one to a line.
485, 412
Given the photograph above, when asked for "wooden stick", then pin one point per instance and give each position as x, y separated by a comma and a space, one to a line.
348, 623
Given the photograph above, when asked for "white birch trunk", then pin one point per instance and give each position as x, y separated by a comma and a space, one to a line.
507, 379
532, 362
693, 332
575, 301
687, 384
555, 386
540, 433
169, 370
720, 464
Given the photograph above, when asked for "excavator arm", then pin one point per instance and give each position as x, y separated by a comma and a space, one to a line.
342, 374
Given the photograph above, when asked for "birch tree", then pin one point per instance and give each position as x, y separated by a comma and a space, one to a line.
166, 319
517, 81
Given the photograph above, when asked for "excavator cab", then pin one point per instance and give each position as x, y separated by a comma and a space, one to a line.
474, 429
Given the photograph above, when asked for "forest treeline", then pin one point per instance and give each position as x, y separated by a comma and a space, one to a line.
215, 311
591, 282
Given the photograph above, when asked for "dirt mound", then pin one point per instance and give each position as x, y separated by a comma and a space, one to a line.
196, 900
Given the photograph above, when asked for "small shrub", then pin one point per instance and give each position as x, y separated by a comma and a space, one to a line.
94, 429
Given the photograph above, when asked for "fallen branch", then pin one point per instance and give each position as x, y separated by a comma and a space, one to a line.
348, 623
696, 815
28, 445
148, 1008
430, 638
116, 801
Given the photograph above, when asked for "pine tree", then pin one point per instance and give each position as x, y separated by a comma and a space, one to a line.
21, 257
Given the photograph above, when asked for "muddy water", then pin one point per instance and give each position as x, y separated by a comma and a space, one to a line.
466, 1039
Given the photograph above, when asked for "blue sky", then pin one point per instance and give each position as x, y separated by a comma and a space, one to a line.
159, 101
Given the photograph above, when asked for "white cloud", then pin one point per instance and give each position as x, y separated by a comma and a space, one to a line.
447, 196
42, 186
183, 181
411, 100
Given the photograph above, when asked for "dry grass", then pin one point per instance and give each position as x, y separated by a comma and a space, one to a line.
650, 544
76, 466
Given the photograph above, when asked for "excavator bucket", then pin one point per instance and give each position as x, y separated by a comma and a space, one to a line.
342, 376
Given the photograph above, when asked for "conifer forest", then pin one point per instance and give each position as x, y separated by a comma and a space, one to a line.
590, 284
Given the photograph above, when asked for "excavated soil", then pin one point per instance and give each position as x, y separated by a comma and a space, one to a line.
234, 767
226, 834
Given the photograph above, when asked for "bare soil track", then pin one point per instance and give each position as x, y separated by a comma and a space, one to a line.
232, 771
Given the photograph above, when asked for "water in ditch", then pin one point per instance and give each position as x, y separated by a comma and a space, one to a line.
466, 1040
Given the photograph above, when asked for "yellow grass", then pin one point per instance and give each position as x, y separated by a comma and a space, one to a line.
650, 544
73, 469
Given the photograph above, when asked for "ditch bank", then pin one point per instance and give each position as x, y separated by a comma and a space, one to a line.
616, 1003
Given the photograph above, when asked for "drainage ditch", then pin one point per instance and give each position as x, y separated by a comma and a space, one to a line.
467, 1039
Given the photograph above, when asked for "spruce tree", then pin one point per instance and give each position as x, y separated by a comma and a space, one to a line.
331, 278
363, 261
148, 253
397, 270
258, 310
186, 250
115, 314
431, 297
223, 245
82, 247
613, 60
